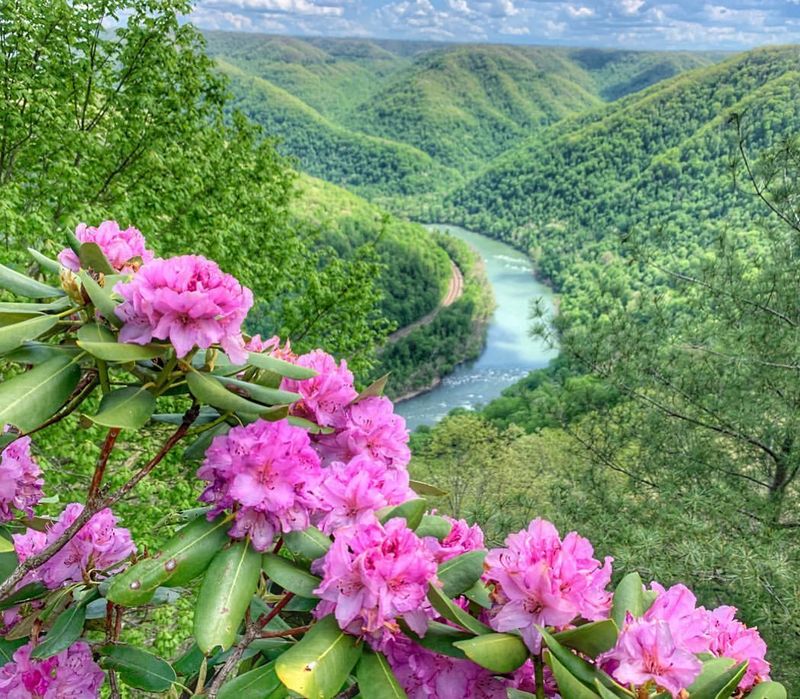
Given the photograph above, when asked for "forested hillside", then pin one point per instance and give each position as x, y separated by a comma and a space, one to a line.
391, 119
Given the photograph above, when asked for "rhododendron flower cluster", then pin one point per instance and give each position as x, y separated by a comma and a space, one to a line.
353, 491
99, 547
187, 300
373, 574
272, 346
71, 674
20, 480
461, 539
124, 250
540, 580
324, 397
730, 638
269, 473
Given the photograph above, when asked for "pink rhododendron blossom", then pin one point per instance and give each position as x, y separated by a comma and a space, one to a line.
424, 674
271, 347
20, 480
730, 638
369, 427
187, 300
461, 539
541, 580
647, 652
268, 473
99, 545
121, 248
71, 674
352, 491
688, 623
524, 679
373, 574
324, 396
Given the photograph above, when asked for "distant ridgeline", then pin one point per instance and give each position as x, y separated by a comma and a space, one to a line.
394, 118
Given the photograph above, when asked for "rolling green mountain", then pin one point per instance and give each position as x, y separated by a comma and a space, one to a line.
390, 118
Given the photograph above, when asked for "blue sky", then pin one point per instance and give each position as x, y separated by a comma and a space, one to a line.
637, 24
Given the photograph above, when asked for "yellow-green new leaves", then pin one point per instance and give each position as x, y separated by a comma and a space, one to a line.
319, 665
226, 591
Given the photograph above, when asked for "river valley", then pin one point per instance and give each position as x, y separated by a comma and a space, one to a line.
510, 353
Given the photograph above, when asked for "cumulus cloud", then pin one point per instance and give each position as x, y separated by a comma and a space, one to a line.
635, 24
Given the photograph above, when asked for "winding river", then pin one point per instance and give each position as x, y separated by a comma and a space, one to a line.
510, 352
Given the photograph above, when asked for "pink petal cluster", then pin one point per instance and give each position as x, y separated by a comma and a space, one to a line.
353, 491
541, 580
730, 638
373, 574
100, 545
187, 300
424, 674
370, 427
647, 651
121, 248
461, 538
71, 674
268, 473
324, 396
20, 480
524, 679
678, 607
271, 347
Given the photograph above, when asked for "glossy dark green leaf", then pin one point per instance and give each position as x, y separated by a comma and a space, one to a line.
225, 593
30, 398
45, 263
628, 597
91, 256
29, 592
439, 638
260, 394
197, 449
12, 336
434, 525
122, 352
289, 576
590, 639
310, 543
452, 612
568, 684
411, 511
8, 648
498, 652
67, 629
40, 352
479, 593
125, 408
376, 679
318, 666
209, 389
101, 298
278, 366
460, 573
138, 668
25, 286
255, 684
718, 679
94, 332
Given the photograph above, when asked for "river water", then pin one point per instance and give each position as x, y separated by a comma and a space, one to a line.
510, 352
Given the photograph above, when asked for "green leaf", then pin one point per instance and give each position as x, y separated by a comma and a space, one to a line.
126, 408
101, 298
452, 612
310, 543
121, 352
261, 394
278, 366
138, 668
479, 594
718, 679
459, 574
411, 511
12, 336
590, 639
65, 631
628, 597
208, 389
40, 352
91, 256
605, 693
182, 558
307, 425
29, 592
28, 399
197, 449
45, 262
289, 576
439, 638
568, 684
318, 666
374, 390
768, 690
376, 679
434, 525
25, 286
255, 684
94, 332
519, 694
498, 652
8, 648
225, 593
421, 488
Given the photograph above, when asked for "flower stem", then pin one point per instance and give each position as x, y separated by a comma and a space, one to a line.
538, 675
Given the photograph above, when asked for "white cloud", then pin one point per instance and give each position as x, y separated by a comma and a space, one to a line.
296, 7
579, 11
631, 7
